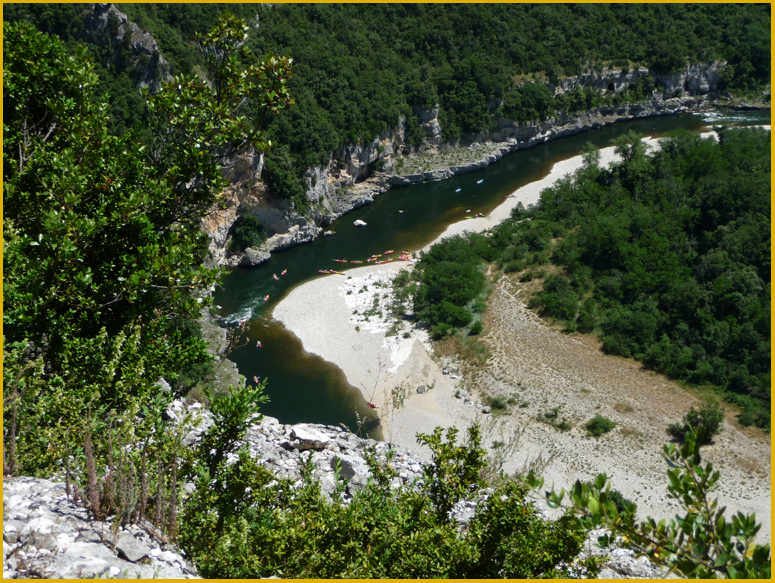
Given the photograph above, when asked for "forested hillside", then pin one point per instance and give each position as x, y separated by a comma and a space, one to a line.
359, 66
666, 257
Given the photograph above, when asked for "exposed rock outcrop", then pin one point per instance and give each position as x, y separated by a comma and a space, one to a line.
693, 80
47, 536
106, 25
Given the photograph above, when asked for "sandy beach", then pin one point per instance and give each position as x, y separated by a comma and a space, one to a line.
336, 317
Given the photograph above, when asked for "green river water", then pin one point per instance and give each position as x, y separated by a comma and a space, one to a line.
304, 388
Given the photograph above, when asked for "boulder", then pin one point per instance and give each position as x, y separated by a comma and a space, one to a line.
304, 438
352, 465
129, 548
253, 257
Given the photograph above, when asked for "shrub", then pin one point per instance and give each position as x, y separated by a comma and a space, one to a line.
497, 403
514, 265
706, 421
246, 232
746, 417
599, 425
622, 504
585, 323
441, 330
476, 328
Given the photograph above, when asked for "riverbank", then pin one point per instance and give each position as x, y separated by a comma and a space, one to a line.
342, 318
542, 367
333, 193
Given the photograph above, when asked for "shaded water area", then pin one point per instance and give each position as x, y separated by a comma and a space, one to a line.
304, 388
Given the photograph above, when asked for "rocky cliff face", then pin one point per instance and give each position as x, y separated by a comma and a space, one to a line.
106, 25
694, 80
356, 173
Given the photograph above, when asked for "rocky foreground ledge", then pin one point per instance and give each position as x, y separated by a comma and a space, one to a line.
46, 536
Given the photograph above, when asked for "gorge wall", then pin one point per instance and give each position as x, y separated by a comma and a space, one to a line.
356, 173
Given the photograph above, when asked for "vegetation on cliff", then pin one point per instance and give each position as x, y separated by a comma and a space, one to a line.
103, 255
358, 67
102, 262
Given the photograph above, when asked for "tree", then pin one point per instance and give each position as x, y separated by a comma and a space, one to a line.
102, 247
198, 123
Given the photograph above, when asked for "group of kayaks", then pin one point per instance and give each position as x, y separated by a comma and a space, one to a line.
375, 259
274, 277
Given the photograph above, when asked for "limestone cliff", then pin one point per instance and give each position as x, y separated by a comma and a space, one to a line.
106, 25
694, 80
356, 173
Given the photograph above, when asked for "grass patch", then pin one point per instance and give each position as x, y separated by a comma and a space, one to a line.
599, 425
552, 417
630, 432
468, 349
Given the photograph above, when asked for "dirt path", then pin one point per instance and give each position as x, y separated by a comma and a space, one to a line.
542, 368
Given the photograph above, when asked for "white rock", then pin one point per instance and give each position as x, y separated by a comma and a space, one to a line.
38, 526
309, 438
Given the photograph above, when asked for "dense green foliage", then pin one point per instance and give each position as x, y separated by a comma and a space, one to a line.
102, 247
450, 278
359, 66
599, 425
699, 543
103, 275
705, 421
247, 232
673, 259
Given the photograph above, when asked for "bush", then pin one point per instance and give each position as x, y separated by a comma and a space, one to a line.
622, 504
599, 425
746, 417
441, 330
706, 421
246, 232
497, 403
449, 314
476, 328
240, 522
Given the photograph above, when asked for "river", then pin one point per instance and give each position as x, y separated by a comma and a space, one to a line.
304, 388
